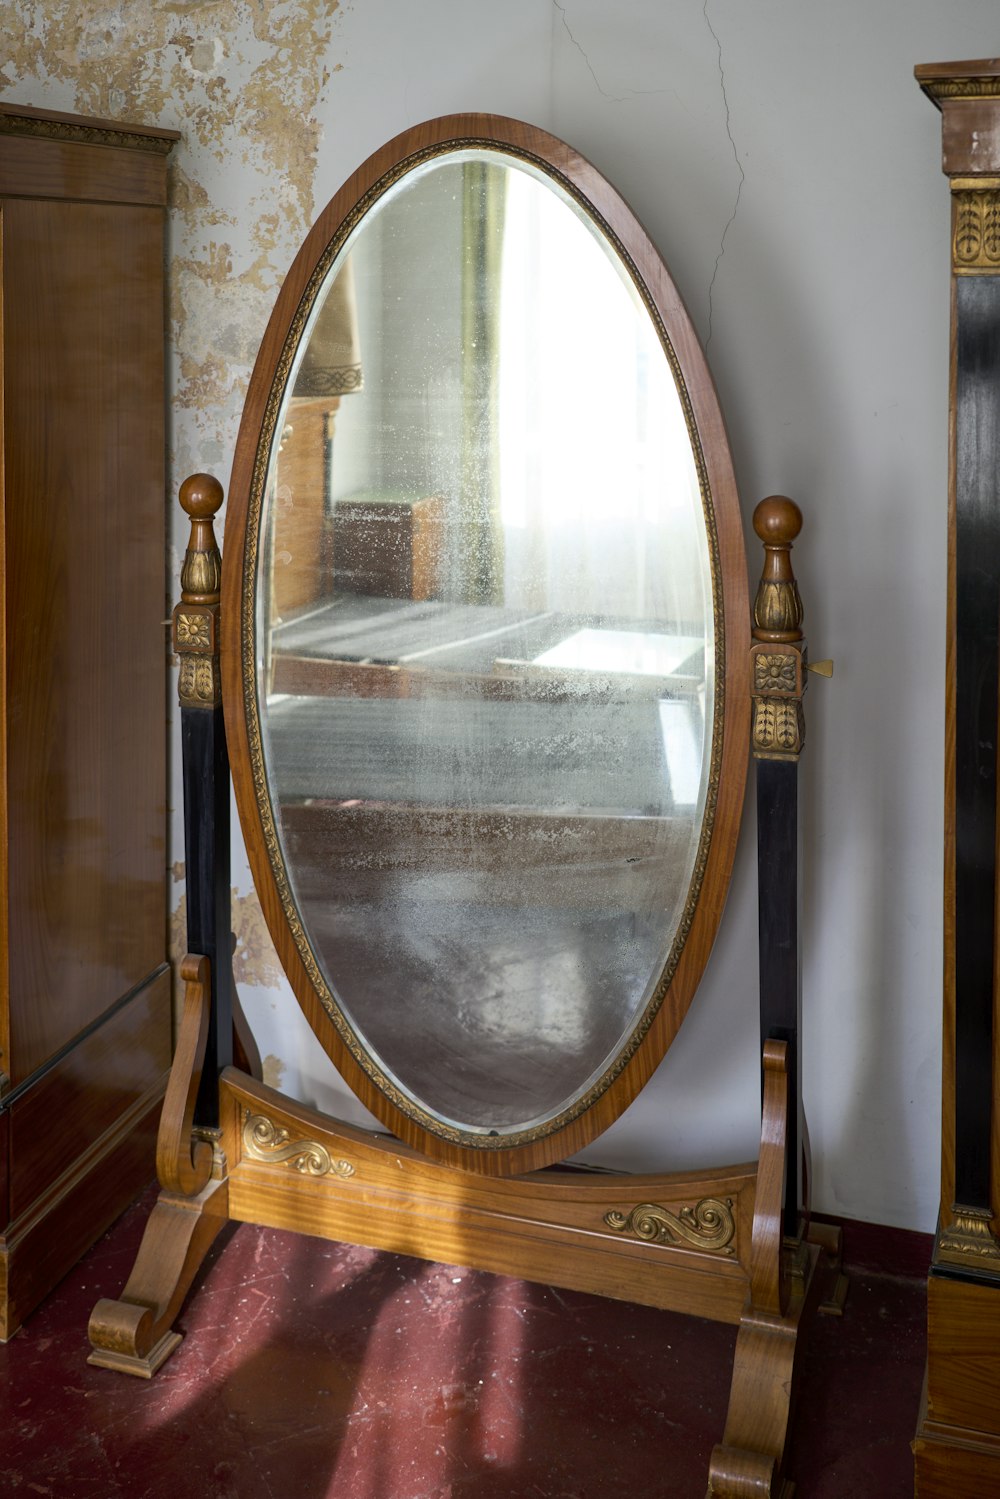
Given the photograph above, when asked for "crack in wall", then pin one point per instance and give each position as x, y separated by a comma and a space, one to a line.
633, 93
739, 167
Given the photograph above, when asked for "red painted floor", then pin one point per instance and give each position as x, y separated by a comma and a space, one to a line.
313, 1371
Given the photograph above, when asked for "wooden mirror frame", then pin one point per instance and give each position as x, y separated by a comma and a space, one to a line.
652, 1031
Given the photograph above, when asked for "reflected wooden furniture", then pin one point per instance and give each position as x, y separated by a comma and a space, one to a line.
734, 1244
85, 992
302, 535
387, 546
957, 1447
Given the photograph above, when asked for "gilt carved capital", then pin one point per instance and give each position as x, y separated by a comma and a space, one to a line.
975, 225
778, 654
196, 617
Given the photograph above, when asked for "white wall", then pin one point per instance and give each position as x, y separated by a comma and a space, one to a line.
787, 166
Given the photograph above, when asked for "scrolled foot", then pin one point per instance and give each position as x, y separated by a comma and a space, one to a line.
735, 1473
133, 1335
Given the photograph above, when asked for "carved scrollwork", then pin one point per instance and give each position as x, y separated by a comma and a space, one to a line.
263, 1140
709, 1226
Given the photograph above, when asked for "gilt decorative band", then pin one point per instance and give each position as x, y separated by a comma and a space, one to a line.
708, 1226
983, 87
86, 133
969, 1240
976, 230
263, 1140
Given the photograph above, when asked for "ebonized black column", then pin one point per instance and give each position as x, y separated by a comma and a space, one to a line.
780, 968
206, 840
206, 779
777, 669
977, 615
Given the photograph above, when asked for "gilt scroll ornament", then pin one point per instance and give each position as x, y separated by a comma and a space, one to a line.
708, 1226
263, 1140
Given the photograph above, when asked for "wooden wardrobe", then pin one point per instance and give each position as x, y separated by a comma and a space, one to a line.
85, 996
958, 1441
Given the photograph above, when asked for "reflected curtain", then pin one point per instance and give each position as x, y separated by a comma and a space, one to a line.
482, 552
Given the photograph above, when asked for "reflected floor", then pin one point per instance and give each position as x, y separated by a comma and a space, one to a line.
491, 1019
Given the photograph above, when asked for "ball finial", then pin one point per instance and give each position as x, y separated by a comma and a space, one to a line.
777, 520
201, 496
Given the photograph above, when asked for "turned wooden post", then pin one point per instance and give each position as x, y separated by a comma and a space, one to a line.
777, 682
206, 779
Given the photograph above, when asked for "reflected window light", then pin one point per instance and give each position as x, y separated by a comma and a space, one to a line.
634, 652
682, 745
592, 434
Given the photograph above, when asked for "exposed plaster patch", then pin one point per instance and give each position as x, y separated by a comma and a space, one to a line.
274, 1070
242, 83
255, 962
739, 167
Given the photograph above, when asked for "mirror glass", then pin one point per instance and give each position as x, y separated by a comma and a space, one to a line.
484, 645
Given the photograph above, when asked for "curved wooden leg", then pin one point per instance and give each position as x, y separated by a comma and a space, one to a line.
133, 1334
748, 1462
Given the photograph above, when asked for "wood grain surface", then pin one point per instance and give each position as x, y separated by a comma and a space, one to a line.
86, 660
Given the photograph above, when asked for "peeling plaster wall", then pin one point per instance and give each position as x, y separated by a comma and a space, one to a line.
787, 166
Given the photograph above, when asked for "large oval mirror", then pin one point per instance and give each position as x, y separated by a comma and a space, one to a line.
491, 720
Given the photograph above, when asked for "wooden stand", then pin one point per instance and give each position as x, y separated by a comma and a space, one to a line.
714, 1244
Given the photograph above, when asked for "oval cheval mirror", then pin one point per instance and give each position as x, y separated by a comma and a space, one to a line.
486, 686
491, 715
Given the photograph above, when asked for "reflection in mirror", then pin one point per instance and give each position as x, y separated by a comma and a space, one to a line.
485, 644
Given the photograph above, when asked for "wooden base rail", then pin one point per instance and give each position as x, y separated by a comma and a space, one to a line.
708, 1243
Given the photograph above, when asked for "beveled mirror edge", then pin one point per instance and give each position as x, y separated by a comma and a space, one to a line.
732, 622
